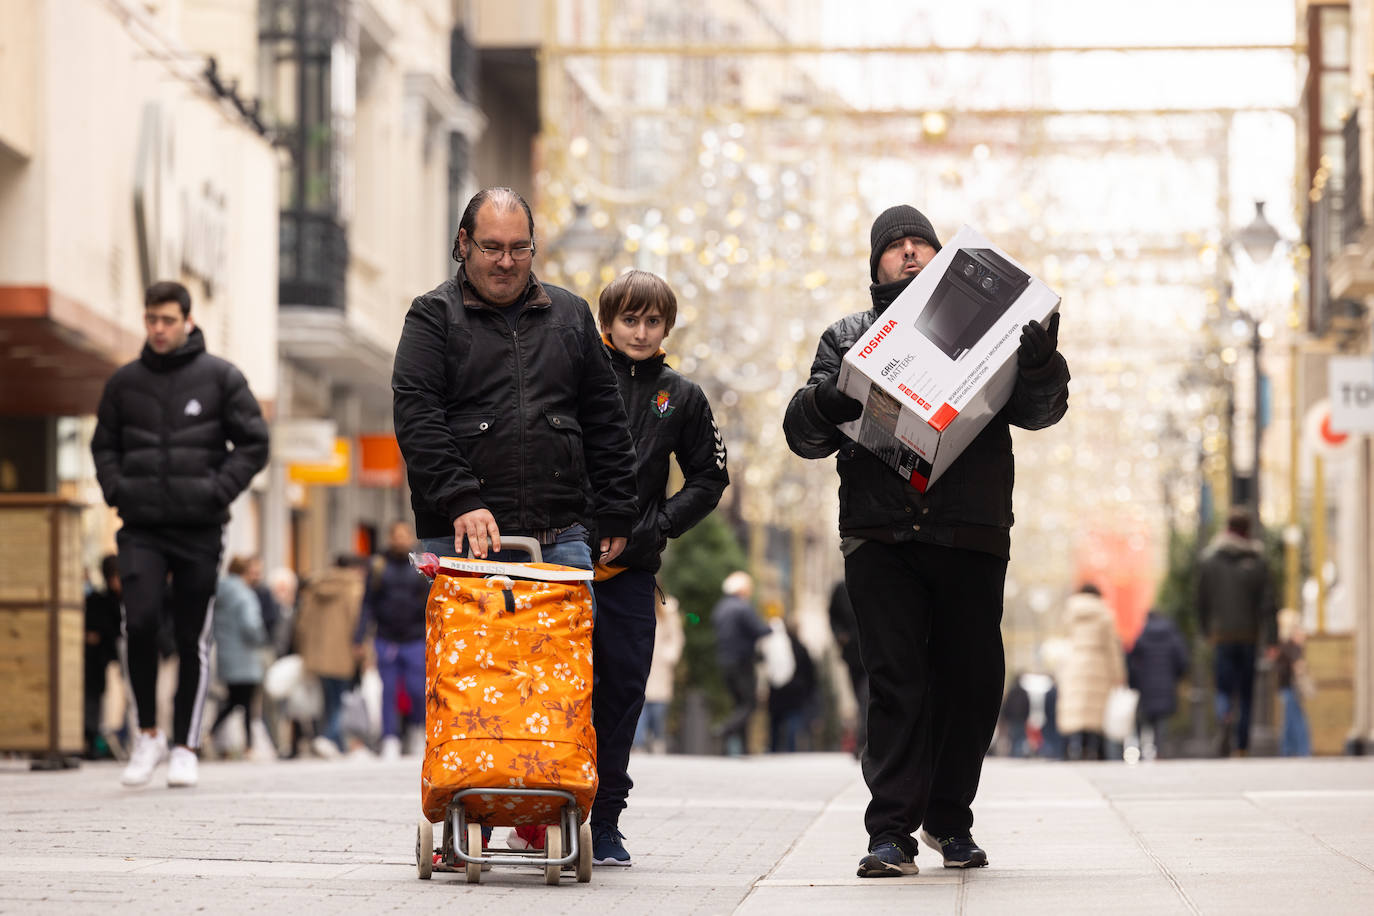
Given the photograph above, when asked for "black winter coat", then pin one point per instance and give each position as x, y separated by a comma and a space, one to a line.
1155, 664
518, 421
1235, 595
161, 432
394, 601
669, 415
970, 505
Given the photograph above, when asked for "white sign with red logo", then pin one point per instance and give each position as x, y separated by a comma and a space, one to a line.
1351, 387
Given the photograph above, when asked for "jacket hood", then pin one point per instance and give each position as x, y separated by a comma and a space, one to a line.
1083, 605
164, 362
1233, 545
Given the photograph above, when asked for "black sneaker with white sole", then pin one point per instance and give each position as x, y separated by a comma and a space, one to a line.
887, 860
958, 851
606, 846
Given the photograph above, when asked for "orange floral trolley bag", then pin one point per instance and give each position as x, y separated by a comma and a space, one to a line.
508, 712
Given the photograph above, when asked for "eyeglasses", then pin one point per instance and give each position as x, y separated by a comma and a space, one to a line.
516, 254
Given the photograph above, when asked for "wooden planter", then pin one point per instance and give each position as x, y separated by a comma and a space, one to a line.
42, 625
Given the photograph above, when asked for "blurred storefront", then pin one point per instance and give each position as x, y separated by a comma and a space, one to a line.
123, 160
1335, 463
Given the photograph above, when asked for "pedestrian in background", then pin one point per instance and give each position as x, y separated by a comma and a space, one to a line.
162, 453
326, 623
925, 572
791, 705
1295, 685
393, 612
239, 637
1156, 664
1016, 708
1093, 663
738, 629
101, 648
652, 732
845, 629
1236, 611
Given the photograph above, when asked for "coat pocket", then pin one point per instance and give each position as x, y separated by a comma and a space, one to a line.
566, 459
477, 438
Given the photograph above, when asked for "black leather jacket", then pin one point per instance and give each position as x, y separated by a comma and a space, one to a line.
160, 438
523, 421
669, 415
970, 505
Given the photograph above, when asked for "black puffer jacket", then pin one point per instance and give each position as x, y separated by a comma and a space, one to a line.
161, 428
1155, 664
517, 421
970, 505
1235, 594
669, 415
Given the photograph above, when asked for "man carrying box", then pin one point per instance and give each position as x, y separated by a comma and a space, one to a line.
925, 573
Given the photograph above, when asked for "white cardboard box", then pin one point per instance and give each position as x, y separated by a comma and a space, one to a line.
941, 360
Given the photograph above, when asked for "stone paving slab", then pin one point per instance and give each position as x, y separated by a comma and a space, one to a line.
754, 836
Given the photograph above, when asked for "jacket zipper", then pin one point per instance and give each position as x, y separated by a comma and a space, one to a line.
520, 415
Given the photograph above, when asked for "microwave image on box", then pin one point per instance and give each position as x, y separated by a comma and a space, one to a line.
978, 287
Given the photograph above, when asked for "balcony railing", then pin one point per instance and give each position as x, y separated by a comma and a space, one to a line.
314, 260
1352, 215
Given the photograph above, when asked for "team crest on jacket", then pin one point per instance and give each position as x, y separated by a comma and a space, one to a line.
663, 404
193, 408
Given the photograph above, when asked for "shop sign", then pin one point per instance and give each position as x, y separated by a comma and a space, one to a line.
304, 440
379, 461
333, 472
181, 224
1351, 389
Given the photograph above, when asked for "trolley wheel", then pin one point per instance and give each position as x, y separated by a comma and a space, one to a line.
584, 853
424, 849
474, 869
553, 849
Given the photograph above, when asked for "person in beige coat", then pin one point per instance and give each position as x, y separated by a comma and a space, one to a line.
651, 733
329, 608
1093, 663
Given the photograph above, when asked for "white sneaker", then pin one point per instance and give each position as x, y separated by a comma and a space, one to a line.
183, 768
149, 751
325, 748
391, 748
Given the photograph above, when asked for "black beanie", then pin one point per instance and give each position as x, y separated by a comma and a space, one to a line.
897, 223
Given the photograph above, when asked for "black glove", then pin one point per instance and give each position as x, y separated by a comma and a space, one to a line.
1038, 344
834, 404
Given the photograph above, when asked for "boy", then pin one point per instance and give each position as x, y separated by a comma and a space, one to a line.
668, 415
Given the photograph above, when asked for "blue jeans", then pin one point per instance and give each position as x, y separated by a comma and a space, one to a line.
1235, 676
653, 724
1295, 740
401, 663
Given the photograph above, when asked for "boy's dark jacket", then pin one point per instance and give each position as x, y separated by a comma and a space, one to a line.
520, 421
969, 507
669, 414
159, 443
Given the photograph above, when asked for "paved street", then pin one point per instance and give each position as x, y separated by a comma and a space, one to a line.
709, 835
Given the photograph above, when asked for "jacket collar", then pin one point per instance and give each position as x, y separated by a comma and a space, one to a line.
621, 359
165, 362
535, 296
884, 293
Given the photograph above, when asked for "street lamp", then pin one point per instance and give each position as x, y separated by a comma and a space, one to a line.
581, 249
1258, 239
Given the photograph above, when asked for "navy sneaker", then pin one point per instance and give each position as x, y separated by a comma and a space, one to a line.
888, 860
606, 846
959, 851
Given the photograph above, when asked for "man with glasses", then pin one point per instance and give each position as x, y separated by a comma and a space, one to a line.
506, 407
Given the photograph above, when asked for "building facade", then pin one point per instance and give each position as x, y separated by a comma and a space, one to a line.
124, 159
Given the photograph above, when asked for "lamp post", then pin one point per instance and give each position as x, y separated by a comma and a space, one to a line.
581, 250
1258, 239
